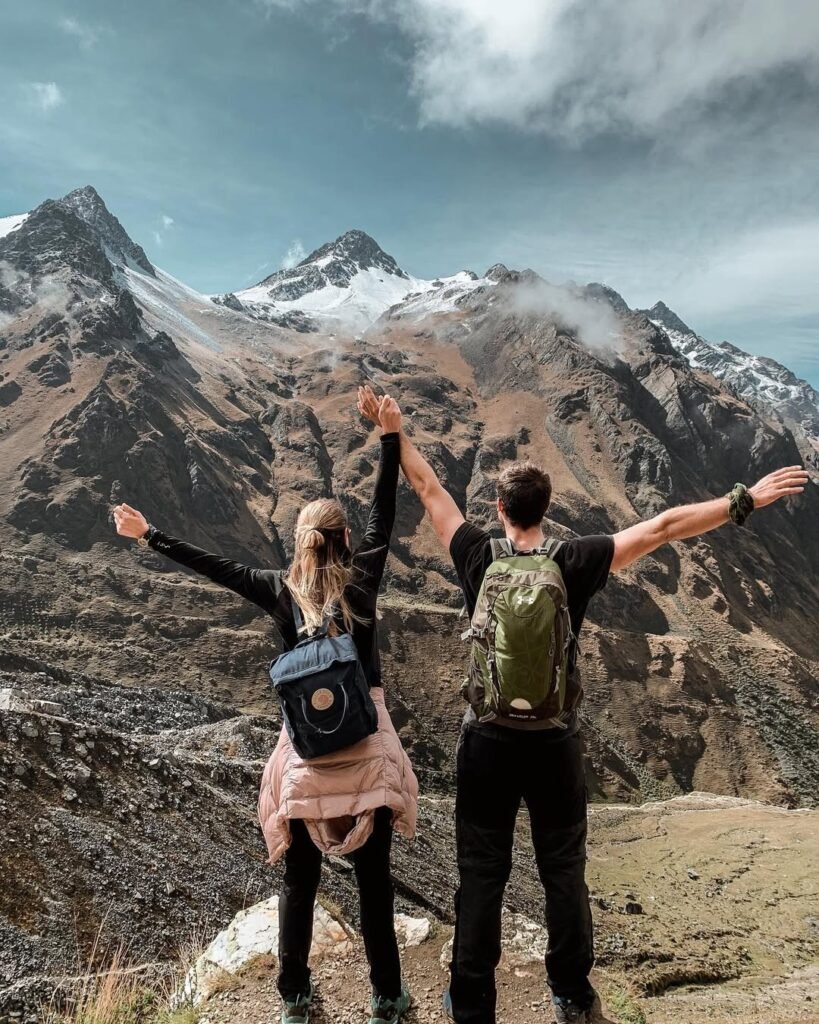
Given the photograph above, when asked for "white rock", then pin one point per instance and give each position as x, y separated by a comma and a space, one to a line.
13, 700
523, 942
411, 931
48, 707
255, 932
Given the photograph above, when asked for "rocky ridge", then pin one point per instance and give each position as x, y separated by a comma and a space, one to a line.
759, 380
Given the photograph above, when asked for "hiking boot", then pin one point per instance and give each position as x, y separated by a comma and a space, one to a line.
448, 1006
385, 1011
297, 1011
567, 1012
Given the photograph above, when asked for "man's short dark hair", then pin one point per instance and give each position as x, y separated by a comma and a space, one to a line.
525, 492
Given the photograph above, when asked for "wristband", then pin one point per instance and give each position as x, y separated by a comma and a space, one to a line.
741, 503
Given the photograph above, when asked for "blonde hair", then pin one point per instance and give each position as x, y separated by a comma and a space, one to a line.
320, 572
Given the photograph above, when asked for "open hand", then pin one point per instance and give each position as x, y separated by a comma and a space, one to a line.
390, 415
129, 522
368, 405
790, 480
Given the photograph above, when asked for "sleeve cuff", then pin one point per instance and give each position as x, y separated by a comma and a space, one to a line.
392, 436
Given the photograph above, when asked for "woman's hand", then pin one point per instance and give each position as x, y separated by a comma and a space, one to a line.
129, 522
368, 405
390, 415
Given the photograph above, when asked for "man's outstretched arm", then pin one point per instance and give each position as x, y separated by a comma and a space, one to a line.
692, 520
440, 506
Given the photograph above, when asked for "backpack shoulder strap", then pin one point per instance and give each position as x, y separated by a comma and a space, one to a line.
501, 548
278, 587
551, 547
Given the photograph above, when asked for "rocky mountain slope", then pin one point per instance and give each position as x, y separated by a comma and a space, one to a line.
763, 382
118, 382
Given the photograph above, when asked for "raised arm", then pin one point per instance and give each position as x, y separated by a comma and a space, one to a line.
256, 585
440, 506
382, 511
692, 520
445, 515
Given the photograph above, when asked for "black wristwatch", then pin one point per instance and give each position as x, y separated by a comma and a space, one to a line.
741, 503
145, 540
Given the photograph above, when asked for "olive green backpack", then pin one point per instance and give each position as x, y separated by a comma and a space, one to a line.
521, 636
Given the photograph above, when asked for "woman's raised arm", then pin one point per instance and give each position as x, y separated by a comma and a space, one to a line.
382, 511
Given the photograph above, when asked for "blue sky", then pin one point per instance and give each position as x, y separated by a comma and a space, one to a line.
668, 150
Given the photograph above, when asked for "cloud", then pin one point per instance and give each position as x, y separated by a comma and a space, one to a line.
772, 269
576, 69
294, 255
45, 96
86, 35
594, 322
165, 225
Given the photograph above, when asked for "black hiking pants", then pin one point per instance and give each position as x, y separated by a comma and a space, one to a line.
494, 776
302, 871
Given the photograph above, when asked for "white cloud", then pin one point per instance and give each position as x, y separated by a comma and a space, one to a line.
165, 225
294, 255
86, 35
575, 69
771, 270
595, 322
45, 96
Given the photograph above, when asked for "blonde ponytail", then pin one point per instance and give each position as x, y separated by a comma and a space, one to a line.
320, 572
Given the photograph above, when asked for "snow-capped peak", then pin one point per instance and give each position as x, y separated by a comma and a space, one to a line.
761, 381
9, 224
344, 284
87, 203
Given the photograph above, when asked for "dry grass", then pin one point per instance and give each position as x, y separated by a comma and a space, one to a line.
114, 990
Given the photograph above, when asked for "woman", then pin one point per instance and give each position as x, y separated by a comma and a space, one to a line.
343, 803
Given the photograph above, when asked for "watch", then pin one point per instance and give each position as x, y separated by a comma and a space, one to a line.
145, 539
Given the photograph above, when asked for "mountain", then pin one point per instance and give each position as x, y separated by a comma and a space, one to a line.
134, 705
343, 285
761, 381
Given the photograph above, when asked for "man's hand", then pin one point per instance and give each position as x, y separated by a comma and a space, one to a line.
389, 415
129, 522
776, 485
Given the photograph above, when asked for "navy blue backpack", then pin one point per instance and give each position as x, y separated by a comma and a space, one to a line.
323, 692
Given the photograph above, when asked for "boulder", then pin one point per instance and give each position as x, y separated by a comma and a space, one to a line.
254, 933
412, 931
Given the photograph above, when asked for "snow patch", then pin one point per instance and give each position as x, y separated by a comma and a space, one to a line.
9, 224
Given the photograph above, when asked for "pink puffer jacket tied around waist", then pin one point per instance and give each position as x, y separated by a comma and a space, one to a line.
337, 795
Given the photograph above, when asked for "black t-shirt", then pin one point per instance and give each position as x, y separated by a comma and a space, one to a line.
264, 587
585, 563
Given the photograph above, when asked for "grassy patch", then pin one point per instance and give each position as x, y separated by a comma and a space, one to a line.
621, 1002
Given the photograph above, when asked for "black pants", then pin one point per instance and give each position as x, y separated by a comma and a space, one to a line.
494, 775
302, 870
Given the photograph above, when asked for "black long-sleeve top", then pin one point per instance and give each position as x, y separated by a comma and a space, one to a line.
264, 588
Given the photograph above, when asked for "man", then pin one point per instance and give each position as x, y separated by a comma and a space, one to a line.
500, 765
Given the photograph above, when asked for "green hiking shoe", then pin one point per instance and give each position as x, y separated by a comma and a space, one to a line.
386, 1011
297, 1011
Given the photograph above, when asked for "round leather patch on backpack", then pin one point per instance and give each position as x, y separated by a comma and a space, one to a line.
322, 699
